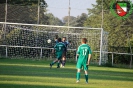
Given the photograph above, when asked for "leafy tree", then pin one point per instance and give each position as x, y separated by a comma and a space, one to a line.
76, 21
80, 20
72, 20
111, 24
23, 2
52, 20
117, 28
23, 11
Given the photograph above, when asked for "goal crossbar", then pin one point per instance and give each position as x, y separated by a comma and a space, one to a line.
49, 26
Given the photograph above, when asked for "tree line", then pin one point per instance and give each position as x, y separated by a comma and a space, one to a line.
120, 37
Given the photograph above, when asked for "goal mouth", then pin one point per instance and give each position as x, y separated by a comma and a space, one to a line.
28, 40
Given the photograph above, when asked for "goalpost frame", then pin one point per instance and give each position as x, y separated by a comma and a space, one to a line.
48, 25
101, 36
101, 45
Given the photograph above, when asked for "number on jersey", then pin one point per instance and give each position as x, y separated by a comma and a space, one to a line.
84, 52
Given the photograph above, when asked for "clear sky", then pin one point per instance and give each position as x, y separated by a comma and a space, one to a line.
60, 7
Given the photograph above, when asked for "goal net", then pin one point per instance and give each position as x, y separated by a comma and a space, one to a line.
30, 40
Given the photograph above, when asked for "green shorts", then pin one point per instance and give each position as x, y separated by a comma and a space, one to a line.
59, 56
80, 65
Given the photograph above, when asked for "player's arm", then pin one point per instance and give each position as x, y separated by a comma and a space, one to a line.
77, 54
54, 48
77, 57
89, 57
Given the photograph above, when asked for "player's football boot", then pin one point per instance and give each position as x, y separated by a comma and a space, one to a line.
50, 66
58, 67
86, 82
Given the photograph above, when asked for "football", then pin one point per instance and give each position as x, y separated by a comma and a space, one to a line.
49, 41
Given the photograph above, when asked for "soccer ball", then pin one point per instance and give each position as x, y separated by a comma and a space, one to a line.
49, 41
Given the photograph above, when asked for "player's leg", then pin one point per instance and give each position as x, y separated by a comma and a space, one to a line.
78, 75
86, 72
61, 63
59, 60
53, 62
79, 66
86, 76
64, 59
58, 63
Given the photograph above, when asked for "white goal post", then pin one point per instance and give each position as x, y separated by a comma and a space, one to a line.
30, 40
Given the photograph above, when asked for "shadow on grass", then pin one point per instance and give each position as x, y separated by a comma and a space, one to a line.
29, 86
63, 72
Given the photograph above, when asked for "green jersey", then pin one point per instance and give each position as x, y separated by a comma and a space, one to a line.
59, 48
83, 51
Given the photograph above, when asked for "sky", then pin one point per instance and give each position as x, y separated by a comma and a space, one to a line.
60, 7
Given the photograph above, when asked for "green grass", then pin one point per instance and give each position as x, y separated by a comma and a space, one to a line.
37, 74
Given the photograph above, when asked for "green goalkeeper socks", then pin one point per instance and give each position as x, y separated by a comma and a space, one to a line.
78, 75
86, 78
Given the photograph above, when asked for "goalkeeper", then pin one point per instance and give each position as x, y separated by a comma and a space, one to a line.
59, 48
63, 61
84, 55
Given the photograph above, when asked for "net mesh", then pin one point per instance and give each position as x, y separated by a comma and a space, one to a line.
30, 41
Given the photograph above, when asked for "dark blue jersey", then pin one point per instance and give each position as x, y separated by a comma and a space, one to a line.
65, 43
56, 42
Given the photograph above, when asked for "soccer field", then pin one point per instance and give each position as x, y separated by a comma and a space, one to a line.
37, 74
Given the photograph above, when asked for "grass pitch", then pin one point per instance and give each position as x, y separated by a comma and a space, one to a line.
37, 74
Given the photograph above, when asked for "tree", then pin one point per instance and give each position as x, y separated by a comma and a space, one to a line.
23, 11
75, 21
72, 20
52, 20
81, 19
111, 24
117, 29
23, 2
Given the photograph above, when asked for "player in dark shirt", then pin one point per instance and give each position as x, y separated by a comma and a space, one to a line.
64, 54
